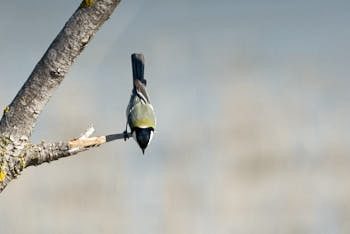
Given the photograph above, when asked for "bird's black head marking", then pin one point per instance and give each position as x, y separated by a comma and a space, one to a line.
143, 137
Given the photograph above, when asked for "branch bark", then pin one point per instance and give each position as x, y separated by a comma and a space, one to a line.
17, 123
50, 71
47, 152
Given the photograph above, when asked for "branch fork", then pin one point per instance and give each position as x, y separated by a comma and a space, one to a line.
19, 118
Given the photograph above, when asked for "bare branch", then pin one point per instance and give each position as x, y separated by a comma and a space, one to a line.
47, 152
89, 131
19, 118
16, 152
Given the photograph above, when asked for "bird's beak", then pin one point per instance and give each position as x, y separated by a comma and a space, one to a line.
143, 151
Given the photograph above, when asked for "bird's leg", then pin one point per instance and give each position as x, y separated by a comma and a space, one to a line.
126, 136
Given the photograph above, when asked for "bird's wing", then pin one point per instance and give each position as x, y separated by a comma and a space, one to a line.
141, 92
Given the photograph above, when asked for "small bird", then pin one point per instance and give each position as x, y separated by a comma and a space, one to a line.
139, 113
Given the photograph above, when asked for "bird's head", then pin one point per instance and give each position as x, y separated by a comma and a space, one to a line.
143, 137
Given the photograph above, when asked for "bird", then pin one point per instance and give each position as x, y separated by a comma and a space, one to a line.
139, 112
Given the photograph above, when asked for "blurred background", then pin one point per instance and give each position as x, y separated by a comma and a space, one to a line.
252, 103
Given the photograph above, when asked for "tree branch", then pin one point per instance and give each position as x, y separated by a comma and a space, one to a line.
19, 118
47, 152
17, 123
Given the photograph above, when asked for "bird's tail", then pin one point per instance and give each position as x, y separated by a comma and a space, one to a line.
138, 67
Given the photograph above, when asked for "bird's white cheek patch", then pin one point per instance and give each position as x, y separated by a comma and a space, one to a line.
150, 138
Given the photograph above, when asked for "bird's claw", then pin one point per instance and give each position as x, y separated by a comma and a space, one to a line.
126, 135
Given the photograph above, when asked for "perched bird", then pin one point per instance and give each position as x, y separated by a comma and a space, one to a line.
139, 113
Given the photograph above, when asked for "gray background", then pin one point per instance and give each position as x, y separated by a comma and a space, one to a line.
253, 113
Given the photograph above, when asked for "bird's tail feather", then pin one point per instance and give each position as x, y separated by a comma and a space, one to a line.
138, 66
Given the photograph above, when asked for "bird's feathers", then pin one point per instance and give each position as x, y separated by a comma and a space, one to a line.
138, 67
140, 114
140, 90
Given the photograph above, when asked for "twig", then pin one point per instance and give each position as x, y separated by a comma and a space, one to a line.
47, 152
